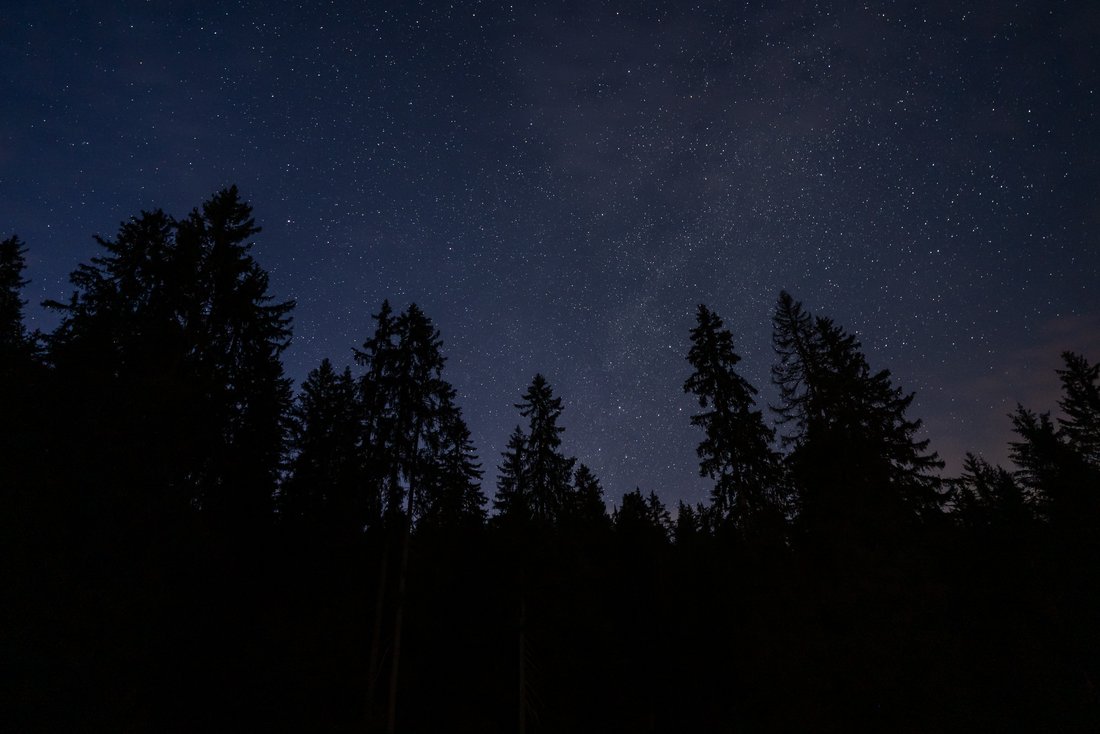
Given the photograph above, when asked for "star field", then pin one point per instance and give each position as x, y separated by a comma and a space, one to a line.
558, 186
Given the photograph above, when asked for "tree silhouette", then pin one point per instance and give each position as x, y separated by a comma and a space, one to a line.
171, 347
511, 502
736, 451
15, 344
1058, 462
585, 505
21, 379
452, 495
643, 517
418, 446
547, 472
990, 497
326, 483
855, 459
1080, 403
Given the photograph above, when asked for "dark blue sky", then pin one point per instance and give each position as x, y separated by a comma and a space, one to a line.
558, 185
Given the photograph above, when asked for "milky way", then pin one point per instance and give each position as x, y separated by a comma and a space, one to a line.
559, 185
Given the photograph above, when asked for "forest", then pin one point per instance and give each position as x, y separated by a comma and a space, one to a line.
191, 544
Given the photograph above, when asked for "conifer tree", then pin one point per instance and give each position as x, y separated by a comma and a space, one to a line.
736, 451
377, 441
686, 530
326, 482
585, 503
172, 344
415, 443
990, 497
1059, 476
15, 345
1080, 404
453, 496
22, 414
511, 501
855, 458
547, 472
643, 517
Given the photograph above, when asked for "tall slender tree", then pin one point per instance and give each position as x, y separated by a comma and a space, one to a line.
736, 451
511, 503
15, 344
547, 471
417, 444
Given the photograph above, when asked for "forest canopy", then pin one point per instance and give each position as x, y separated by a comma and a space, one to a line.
191, 524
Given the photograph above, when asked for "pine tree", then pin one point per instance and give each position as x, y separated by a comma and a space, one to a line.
416, 442
326, 484
547, 472
585, 505
172, 345
453, 496
511, 502
15, 344
22, 415
377, 441
989, 497
643, 517
736, 451
687, 529
1080, 403
1059, 477
855, 459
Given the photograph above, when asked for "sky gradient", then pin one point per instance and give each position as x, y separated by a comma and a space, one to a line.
558, 186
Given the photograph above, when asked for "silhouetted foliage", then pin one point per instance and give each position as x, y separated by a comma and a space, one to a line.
855, 458
989, 496
453, 496
1058, 463
15, 344
511, 502
327, 483
546, 471
643, 516
141, 449
736, 452
585, 505
1081, 405
171, 343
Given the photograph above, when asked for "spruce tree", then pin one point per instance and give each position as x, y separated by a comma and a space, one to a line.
409, 419
15, 345
326, 483
511, 503
643, 518
547, 472
453, 496
171, 344
736, 451
1080, 404
377, 440
988, 496
585, 505
855, 457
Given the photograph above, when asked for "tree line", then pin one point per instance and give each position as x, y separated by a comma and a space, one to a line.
166, 491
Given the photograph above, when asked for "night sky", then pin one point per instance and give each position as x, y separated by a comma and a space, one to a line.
558, 186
